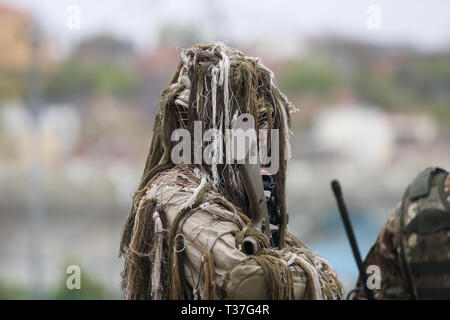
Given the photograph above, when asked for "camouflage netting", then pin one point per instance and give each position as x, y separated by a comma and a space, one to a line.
214, 84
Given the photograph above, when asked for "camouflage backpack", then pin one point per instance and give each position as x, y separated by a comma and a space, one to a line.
425, 235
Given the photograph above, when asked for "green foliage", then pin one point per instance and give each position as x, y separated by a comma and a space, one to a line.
173, 34
308, 76
91, 289
419, 83
74, 79
431, 69
9, 291
415, 81
382, 91
12, 85
396, 79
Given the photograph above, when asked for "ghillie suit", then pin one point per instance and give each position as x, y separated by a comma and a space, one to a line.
183, 236
412, 250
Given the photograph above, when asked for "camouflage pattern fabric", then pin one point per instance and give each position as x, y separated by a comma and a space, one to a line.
412, 249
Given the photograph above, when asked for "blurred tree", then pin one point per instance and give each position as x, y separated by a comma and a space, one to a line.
104, 49
14, 291
12, 85
101, 64
309, 76
91, 289
181, 36
73, 80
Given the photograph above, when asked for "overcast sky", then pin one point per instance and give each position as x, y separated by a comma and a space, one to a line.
424, 24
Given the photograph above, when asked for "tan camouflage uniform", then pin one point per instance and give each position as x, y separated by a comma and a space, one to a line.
210, 230
412, 250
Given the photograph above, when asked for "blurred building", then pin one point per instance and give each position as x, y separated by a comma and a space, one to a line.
356, 133
15, 26
59, 129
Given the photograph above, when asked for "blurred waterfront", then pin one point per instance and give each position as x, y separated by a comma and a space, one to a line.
76, 123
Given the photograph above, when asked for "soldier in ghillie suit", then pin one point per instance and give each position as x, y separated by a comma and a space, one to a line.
412, 249
183, 237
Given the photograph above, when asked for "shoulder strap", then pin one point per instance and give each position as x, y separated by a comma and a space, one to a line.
420, 187
428, 220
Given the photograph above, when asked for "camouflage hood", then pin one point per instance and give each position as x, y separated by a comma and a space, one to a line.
214, 84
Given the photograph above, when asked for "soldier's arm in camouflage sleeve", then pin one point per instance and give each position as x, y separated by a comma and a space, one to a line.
412, 249
385, 254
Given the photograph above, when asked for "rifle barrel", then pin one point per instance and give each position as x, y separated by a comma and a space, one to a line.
335, 185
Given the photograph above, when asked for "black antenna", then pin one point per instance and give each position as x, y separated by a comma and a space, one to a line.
351, 236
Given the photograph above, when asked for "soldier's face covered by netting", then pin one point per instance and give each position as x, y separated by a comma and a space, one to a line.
214, 85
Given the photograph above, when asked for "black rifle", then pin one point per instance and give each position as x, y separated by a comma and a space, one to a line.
351, 236
275, 215
250, 175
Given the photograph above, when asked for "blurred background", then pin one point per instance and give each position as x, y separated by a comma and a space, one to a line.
79, 86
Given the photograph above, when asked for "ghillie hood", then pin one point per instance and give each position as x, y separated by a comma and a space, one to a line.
214, 84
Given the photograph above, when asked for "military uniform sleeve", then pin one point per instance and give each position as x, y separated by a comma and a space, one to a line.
411, 250
385, 255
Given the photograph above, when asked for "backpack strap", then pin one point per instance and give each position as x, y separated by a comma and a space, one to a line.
406, 267
427, 222
421, 185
